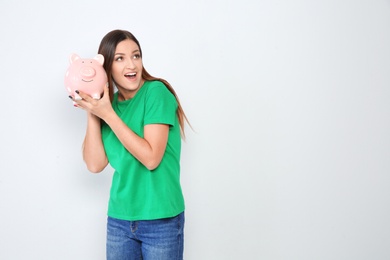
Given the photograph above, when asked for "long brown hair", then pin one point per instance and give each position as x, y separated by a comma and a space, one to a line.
107, 49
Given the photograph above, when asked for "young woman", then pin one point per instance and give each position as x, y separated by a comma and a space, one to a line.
137, 130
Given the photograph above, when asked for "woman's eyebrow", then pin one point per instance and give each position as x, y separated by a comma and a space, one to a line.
119, 53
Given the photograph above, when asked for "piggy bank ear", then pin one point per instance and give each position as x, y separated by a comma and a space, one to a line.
99, 58
73, 57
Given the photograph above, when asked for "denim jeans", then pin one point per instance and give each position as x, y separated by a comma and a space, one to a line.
161, 239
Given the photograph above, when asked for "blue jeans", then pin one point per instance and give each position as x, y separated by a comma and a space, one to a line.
161, 239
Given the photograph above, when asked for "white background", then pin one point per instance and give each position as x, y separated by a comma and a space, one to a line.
289, 101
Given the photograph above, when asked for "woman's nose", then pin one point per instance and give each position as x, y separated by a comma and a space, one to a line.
130, 64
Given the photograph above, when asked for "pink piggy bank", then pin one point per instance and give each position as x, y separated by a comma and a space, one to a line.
86, 75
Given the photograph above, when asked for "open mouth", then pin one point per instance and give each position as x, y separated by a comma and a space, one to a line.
130, 75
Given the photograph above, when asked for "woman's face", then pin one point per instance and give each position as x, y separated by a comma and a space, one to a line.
127, 68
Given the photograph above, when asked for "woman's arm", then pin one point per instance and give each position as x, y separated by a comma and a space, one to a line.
93, 150
148, 150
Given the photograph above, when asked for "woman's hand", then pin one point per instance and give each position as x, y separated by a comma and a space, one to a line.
99, 107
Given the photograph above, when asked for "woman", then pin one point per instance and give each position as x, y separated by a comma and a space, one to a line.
138, 131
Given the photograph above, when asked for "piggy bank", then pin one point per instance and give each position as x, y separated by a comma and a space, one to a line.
86, 75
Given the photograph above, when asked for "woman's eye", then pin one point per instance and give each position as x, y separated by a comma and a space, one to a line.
136, 56
118, 58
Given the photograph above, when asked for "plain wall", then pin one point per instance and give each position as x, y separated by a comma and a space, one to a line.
289, 101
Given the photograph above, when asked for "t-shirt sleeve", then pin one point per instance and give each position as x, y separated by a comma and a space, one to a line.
160, 105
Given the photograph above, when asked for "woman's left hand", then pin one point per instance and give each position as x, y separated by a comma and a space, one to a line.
99, 107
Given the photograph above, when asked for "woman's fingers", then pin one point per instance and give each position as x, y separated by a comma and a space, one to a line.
80, 99
98, 107
83, 95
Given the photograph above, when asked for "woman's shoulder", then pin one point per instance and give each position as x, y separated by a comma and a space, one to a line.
154, 84
158, 89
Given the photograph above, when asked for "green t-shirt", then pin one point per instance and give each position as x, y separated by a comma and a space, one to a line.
136, 192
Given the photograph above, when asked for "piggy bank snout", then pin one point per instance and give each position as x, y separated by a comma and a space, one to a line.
88, 72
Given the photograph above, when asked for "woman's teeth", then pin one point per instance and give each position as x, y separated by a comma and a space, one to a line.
130, 75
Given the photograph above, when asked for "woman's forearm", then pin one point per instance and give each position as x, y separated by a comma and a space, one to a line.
150, 149
93, 149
